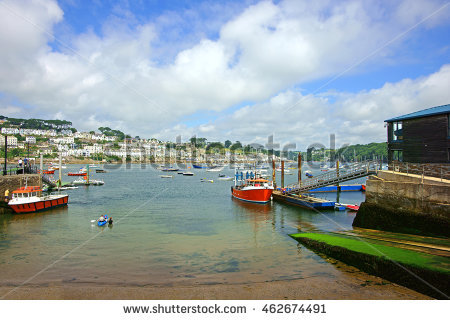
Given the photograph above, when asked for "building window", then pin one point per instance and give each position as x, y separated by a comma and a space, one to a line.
448, 124
397, 155
397, 131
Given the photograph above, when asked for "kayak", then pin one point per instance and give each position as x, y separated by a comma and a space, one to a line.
102, 223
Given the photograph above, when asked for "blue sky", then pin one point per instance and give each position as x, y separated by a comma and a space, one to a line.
238, 70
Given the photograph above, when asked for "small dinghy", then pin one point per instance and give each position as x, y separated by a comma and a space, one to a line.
352, 207
188, 173
162, 176
206, 180
102, 222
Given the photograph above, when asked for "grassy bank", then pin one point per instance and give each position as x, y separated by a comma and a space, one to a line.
422, 272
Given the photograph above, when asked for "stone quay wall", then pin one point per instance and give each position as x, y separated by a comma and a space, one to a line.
406, 203
12, 183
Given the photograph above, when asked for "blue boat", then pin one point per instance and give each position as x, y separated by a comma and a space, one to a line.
196, 166
102, 223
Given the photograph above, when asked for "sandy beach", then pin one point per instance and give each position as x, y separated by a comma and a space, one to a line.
355, 286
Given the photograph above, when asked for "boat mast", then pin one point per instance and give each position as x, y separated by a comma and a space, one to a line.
60, 170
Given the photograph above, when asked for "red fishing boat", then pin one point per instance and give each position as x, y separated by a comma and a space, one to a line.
48, 171
27, 199
253, 190
81, 172
77, 174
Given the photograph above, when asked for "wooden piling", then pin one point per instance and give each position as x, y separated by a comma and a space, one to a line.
299, 165
337, 172
282, 173
41, 169
60, 170
273, 174
5, 171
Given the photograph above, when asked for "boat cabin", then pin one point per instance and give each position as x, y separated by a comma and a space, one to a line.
26, 192
257, 182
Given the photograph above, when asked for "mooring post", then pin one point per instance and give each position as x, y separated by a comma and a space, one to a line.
282, 173
41, 168
5, 171
273, 174
337, 173
60, 169
299, 165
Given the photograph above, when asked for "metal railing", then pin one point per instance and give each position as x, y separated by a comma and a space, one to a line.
437, 170
47, 179
15, 170
350, 172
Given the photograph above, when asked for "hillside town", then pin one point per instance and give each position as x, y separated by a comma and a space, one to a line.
107, 146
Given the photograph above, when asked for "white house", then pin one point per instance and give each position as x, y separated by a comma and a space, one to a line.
30, 139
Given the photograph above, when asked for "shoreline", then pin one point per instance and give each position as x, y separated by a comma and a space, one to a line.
299, 289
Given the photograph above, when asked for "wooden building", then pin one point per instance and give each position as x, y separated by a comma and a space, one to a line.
420, 137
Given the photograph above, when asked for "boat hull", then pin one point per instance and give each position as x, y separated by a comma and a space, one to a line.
196, 166
41, 205
77, 174
254, 195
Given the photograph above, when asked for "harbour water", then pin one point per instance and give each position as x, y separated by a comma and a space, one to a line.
166, 232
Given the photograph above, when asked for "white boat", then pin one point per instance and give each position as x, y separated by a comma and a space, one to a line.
91, 182
206, 180
79, 181
226, 178
215, 169
67, 188
188, 173
164, 176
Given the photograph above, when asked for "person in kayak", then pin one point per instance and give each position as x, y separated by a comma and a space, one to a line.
101, 219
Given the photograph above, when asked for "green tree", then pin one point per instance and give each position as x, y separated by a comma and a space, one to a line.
236, 145
228, 143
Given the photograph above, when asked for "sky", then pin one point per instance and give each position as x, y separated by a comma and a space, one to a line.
238, 70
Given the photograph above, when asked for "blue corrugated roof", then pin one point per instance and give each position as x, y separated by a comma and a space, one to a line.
422, 113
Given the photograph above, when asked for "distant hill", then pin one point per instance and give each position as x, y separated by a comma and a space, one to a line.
57, 125
357, 152
364, 151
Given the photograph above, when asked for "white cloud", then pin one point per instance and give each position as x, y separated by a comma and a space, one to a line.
116, 78
352, 117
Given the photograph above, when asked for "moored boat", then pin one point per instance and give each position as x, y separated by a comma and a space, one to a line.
200, 166
352, 207
253, 190
26, 199
77, 174
215, 169
81, 172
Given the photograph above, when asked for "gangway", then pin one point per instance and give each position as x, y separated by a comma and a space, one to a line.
45, 177
335, 176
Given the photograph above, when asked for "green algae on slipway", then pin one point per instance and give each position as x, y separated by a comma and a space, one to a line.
395, 264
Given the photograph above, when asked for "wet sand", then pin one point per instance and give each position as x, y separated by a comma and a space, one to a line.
355, 287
